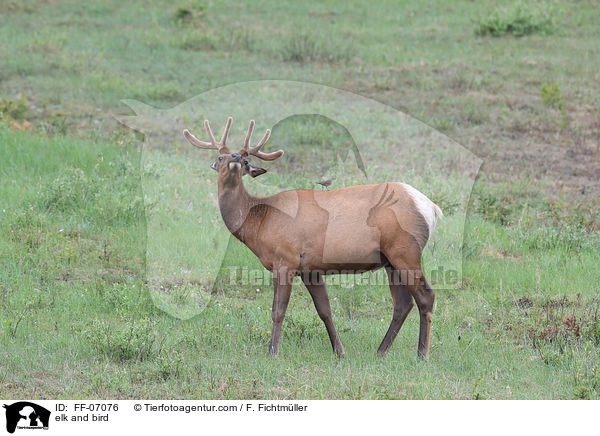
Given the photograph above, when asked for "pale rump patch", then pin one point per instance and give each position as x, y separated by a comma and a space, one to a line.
427, 208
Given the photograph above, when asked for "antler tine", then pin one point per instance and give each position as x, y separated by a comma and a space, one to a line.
196, 142
265, 156
213, 141
245, 150
226, 132
255, 151
213, 144
263, 140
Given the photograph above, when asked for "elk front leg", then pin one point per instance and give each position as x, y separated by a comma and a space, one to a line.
282, 287
318, 292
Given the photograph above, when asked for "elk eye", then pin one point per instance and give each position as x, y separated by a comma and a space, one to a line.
220, 158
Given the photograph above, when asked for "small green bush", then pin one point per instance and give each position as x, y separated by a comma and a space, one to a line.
304, 48
517, 20
587, 380
185, 14
551, 95
169, 364
494, 209
125, 297
593, 331
134, 340
445, 201
443, 124
13, 109
70, 191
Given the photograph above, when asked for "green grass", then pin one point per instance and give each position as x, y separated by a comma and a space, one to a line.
85, 304
77, 312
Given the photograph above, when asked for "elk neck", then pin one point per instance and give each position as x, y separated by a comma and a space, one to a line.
235, 203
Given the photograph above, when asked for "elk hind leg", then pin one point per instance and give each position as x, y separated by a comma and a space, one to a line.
403, 303
413, 279
425, 298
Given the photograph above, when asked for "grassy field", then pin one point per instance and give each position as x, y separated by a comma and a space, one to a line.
78, 311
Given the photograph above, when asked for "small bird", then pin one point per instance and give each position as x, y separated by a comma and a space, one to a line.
326, 183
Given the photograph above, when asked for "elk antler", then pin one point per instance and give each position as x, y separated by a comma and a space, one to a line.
213, 144
255, 151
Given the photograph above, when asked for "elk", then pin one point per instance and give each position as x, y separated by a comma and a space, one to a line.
311, 234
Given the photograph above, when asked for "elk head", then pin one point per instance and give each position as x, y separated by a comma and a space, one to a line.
232, 166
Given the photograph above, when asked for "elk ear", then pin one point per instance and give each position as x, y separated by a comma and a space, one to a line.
254, 171
214, 165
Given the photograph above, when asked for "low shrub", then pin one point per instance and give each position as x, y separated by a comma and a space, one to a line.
518, 20
304, 48
551, 95
133, 340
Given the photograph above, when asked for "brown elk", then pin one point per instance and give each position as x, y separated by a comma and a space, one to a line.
314, 233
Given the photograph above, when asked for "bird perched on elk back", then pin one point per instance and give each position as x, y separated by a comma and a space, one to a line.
326, 183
